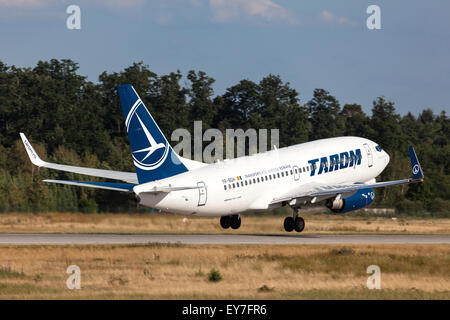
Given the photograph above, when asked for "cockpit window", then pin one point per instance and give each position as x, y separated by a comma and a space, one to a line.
378, 148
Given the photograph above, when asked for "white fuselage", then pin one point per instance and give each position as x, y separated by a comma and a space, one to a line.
231, 186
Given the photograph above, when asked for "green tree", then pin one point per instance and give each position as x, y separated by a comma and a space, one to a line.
324, 115
356, 122
201, 104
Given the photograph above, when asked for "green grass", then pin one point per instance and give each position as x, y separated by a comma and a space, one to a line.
9, 289
346, 260
8, 273
246, 271
364, 294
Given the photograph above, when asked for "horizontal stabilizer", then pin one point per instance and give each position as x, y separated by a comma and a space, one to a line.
125, 187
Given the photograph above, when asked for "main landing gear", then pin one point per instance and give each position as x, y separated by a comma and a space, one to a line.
294, 223
233, 221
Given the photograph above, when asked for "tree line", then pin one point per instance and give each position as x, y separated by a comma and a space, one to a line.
74, 121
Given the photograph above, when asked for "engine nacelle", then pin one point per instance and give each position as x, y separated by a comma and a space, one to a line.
362, 198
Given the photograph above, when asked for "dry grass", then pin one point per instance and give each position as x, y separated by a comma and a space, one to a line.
168, 223
174, 271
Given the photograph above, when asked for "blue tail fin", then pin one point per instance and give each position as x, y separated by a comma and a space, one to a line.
152, 154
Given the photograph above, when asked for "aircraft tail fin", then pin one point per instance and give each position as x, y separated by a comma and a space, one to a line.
152, 154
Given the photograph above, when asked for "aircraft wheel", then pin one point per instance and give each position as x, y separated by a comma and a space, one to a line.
235, 221
225, 222
289, 224
299, 224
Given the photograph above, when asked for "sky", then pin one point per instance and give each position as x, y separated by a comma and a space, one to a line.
310, 44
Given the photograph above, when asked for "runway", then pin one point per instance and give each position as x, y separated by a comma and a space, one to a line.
265, 239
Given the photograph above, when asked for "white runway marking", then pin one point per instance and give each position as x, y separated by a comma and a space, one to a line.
39, 239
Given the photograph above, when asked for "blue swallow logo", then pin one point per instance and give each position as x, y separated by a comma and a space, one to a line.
154, 153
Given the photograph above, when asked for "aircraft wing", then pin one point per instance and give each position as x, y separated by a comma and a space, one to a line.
317, 192
124, 187
129, 177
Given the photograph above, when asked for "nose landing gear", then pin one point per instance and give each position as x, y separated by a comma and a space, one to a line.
294, 223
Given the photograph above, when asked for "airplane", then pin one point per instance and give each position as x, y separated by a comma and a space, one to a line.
340, 171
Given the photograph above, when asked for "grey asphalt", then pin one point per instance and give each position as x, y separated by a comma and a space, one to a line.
61, 239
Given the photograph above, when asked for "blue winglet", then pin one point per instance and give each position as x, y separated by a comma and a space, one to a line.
417, 173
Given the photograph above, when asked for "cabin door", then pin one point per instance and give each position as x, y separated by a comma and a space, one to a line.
369, 155
202, 194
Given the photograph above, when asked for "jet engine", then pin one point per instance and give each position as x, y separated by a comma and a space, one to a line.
362, 198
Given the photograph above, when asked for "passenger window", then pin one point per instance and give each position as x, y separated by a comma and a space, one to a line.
245, 182
278, 174
270, 177
229, 186
242, 183
291, 172
233, 185
282, 174
250, 181
237, 184
287, 173
254, 180
257, 179
224, 187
